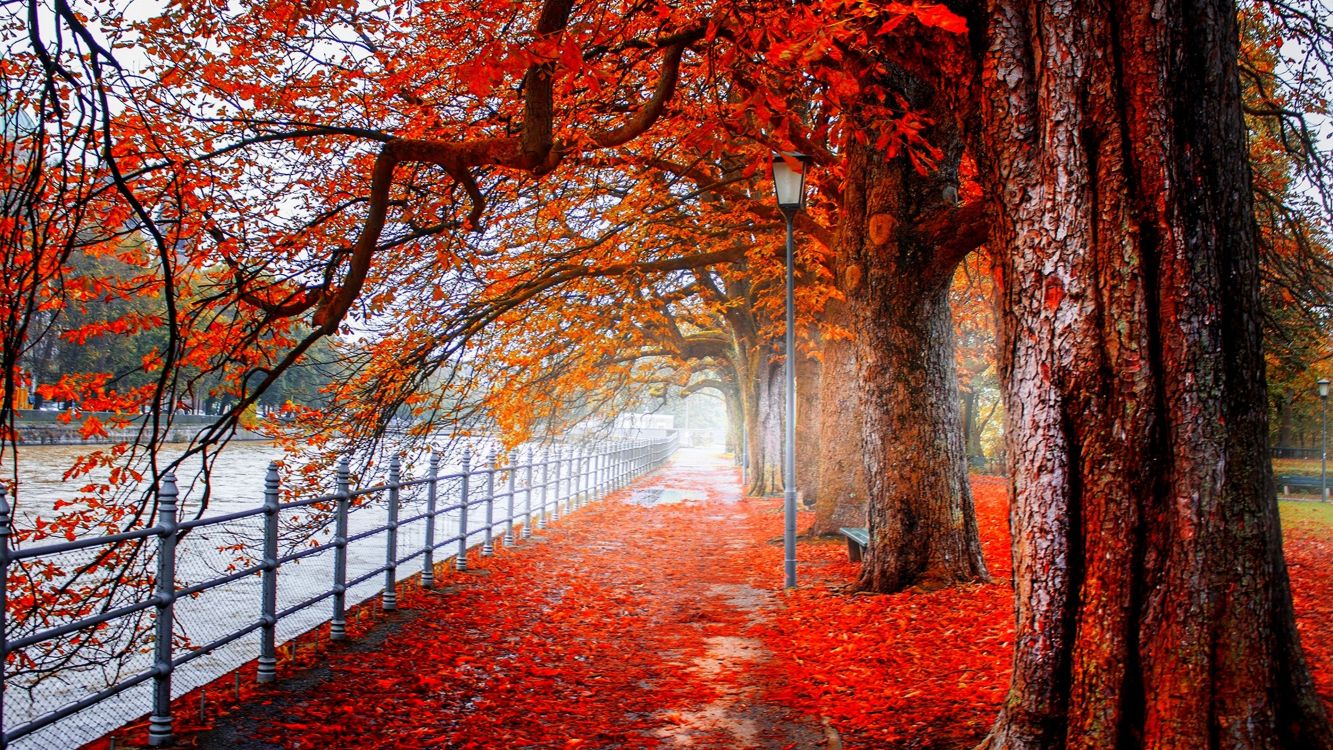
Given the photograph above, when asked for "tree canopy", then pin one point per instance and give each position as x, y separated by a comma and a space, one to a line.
464, 216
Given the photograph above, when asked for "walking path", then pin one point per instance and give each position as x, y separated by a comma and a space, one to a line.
622, 626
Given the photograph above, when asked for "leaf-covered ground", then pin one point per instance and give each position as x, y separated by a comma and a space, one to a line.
657, 620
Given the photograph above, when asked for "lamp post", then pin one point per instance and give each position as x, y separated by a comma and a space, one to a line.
789, 184
1323, 439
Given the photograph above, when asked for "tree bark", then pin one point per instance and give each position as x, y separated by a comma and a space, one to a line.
971, 428
896, 278
1153, 604
809, 375
842, 480
766, 432
735, 420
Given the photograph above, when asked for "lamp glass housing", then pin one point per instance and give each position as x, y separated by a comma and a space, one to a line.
789, 182
1323, 388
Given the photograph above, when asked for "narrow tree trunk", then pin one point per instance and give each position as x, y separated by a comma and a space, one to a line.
1153, 607
1284, 430
735, 421
971, 430
922, 524
842, 479
766, 433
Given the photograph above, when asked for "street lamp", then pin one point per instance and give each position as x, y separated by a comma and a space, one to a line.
789, 184
1323, 439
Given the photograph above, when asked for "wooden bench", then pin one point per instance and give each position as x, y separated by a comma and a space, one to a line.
1300, 482
857, 541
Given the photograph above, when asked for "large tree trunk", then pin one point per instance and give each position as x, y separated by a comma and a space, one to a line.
842, 475
923, 528
809, 373
1153, 607
922, 524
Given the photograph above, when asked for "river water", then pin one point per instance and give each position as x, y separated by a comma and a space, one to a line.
236, 484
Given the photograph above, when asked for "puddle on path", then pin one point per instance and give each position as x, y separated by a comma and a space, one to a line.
652, 496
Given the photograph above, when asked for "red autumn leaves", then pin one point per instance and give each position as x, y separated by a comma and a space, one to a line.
603, 631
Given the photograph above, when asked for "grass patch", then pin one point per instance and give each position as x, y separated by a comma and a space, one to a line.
1307, 466
1312, 512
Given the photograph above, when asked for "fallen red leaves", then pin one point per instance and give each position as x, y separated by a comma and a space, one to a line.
582, 638
916, 669
632, 627
1309, 551
534, 653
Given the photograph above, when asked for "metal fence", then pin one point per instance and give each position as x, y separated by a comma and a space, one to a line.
1282, 451
493, 502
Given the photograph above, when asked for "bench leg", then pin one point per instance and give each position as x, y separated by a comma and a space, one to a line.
853, 550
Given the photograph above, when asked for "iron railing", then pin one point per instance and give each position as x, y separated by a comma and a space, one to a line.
511, 497
1283, 451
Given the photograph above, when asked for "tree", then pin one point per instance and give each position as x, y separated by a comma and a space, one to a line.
841, 498
887, 146
973, 302
1153, 606
922, 524
1286, 160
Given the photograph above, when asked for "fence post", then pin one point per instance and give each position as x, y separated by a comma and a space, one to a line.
546, 482
488, 547
561, 482
389, 599
603, 471
338, 625
513, 474
266, 669
460, 559
575, 481
527, 500
585, 472
428, 563
572, 502
572, 478
159, 722
5, 530
570, 485
594, 472
622, 462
